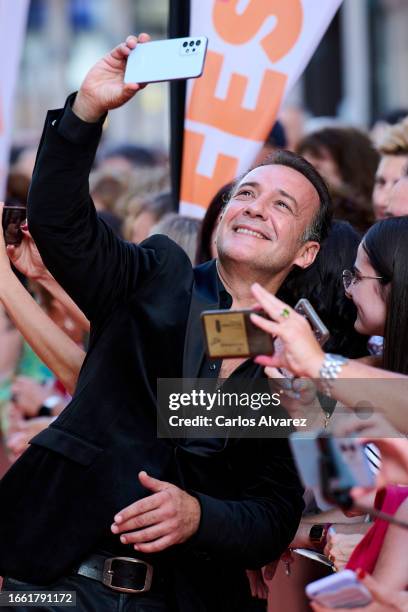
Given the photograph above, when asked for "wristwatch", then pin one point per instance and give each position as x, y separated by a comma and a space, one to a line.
318, 535
48, 405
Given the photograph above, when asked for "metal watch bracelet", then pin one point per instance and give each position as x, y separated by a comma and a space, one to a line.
329, 371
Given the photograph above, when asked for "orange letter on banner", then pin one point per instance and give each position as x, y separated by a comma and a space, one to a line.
228, 115
239, 29
197, 188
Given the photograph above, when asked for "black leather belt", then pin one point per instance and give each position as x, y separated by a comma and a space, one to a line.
123, 574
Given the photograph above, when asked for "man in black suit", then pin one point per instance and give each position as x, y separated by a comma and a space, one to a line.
98, 485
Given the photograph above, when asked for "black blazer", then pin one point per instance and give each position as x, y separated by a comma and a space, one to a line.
58, 500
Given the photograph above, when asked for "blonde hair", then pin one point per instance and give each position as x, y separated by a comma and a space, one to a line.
395, 139
158, 205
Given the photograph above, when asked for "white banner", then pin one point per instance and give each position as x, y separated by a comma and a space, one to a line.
257, 50
13, 17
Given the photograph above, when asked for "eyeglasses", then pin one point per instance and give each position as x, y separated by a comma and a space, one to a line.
352, 278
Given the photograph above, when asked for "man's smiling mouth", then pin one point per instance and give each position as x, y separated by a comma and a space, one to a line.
250, 232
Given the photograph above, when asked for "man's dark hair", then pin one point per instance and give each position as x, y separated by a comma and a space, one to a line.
320, 225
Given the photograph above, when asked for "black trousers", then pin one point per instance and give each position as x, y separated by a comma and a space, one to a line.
91, 596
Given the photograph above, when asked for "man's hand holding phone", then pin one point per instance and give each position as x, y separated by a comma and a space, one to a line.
103, 88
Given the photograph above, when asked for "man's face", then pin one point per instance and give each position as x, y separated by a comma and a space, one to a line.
398, 200
263, 224
388, 173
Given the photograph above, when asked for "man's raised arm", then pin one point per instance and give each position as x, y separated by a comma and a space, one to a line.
81, 252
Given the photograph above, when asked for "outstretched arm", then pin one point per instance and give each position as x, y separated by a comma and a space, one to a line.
302, 355
26, 258
51, 344
95, 267
391, 568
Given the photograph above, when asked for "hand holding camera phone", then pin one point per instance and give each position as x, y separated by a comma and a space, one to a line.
167, 60
231, 333
14, 215
341, 590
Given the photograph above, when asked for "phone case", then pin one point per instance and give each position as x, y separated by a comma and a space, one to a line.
307, 455
341, 590
166, 60
355, 458
231, 333
320, 331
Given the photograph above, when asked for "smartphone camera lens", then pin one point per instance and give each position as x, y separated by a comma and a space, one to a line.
198, 43
185, 43
191, 43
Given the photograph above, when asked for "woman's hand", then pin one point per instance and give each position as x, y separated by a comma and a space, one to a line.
26, 258
298, 397
28, 395
299, 352
384, 599
18, 441
340, 546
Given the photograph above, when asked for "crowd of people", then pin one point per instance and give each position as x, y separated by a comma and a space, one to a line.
96, 305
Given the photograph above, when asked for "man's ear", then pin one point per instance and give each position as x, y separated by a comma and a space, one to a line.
307, 254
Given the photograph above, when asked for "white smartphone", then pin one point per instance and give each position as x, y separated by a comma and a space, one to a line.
167, 60
341, 590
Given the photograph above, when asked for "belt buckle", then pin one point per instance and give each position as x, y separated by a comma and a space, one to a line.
108, 575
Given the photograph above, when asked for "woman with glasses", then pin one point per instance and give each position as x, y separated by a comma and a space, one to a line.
378, 286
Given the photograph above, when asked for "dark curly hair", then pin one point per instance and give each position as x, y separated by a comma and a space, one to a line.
356, 160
